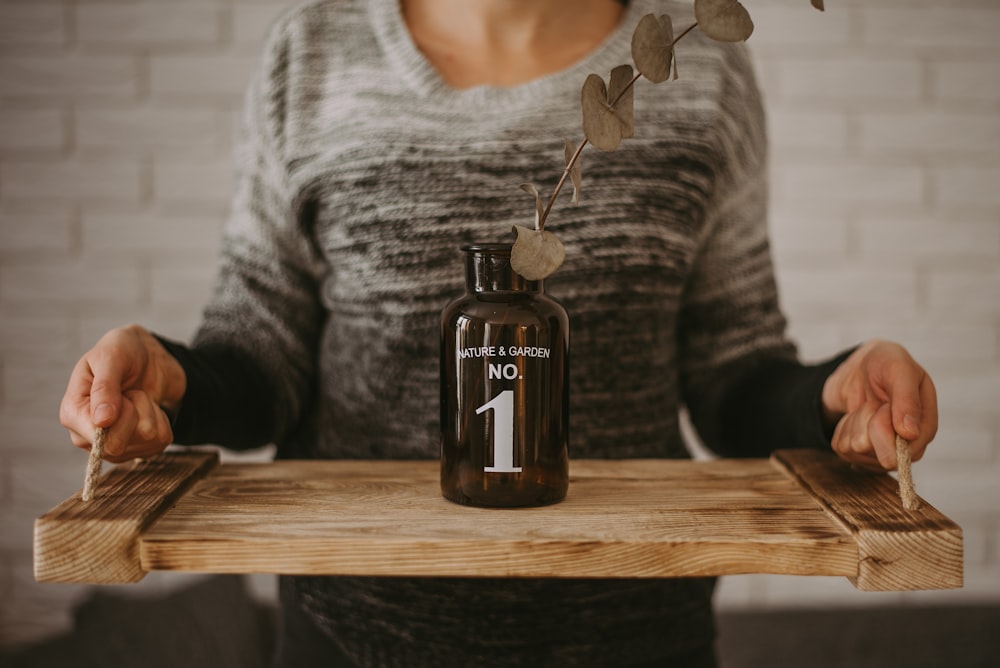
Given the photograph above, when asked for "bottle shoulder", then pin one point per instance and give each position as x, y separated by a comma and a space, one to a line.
506, 307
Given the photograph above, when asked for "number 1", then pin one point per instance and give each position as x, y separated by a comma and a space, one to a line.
502, 406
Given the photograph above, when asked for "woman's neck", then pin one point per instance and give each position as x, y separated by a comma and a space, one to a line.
507, 42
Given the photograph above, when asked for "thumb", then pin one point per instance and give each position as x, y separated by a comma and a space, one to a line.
106, 390
905, 402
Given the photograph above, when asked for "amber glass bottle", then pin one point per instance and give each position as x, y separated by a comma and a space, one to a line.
504, 388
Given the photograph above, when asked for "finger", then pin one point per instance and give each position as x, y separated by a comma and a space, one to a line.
153, 426
862, 460
109, 366
851, 442
121, 433
929, 425
74, 409
882, 437
146, 412
143, 429
164, 431
143, 450
82, 442
136, 451
105, 401
856, 430
904, 379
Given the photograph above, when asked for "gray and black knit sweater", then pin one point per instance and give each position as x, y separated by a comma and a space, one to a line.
361, 175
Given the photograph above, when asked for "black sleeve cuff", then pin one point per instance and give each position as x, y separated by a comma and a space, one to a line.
769, 404
226, 401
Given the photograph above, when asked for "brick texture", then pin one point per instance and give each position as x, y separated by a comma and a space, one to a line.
116, 125
886, 223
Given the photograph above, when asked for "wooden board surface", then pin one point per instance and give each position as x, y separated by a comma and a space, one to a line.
625, 518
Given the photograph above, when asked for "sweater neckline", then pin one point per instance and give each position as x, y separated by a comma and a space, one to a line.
416, 72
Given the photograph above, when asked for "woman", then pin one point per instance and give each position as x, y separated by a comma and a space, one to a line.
379, 137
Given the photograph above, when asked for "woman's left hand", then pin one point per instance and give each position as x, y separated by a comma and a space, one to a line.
877, 392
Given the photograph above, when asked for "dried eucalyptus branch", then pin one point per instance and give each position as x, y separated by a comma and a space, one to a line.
608, 114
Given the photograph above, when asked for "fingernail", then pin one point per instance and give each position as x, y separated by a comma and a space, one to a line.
104, 413
911, 425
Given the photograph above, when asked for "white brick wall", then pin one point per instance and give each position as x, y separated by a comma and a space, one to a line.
116, 125
886, 222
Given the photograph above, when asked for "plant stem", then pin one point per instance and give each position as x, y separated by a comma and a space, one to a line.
686, 31
558, 188
576, 155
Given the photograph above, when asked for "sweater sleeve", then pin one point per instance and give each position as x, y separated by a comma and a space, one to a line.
741, 380
226, 400
259, 333
756, 405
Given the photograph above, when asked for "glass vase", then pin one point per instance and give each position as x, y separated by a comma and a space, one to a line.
504, 388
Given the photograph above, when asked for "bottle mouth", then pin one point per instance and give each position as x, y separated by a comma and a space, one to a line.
487, 248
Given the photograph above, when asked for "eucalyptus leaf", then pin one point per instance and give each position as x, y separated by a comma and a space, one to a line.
818, 4
622, 98
575, 173
653, 47
536, 253
539, 207
723, 20
605, 125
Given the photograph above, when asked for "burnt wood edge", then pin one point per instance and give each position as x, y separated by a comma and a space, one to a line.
898, 549
97, 541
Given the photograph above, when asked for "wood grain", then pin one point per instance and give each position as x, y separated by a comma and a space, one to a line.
97, 541
621, 518
898, 549
801, 514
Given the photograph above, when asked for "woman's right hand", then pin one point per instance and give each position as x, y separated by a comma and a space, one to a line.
128, 383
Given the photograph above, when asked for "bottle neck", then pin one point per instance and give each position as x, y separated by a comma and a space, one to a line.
487, 269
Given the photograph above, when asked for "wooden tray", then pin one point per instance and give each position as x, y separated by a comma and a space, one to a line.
801, 513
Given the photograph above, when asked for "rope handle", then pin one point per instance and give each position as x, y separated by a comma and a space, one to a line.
906, 491
94, 463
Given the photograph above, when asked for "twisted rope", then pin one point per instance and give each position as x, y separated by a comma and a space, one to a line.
94, 463
906, 490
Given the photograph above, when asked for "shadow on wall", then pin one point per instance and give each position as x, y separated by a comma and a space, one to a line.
216, 623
